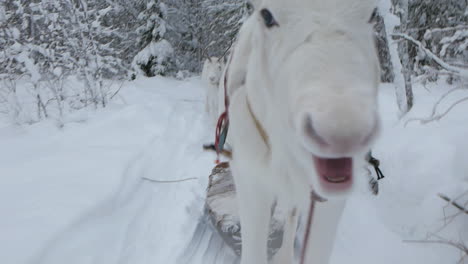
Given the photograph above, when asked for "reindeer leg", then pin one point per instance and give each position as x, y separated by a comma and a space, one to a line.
250, 171
285, 254
255, 213
325, 220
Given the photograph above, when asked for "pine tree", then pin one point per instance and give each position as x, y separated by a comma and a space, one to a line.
224, 21
155, 52
201, 28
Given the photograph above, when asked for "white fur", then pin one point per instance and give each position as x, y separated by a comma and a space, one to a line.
211, 76
320, 62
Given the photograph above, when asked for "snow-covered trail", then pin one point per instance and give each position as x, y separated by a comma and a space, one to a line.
149, 222
155, 131
78, 196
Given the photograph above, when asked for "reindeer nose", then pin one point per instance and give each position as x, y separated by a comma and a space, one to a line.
337, 137
310, 134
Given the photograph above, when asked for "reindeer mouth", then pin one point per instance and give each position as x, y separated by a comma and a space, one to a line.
336, 174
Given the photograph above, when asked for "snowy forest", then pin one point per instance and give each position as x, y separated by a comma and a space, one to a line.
96, 93
46, 43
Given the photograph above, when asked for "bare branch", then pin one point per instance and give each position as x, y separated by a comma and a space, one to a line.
205, 55
117, 91
454, 203
444, 96
227, 50
458, 245
434, 238
436, 117
170, 181
449, 219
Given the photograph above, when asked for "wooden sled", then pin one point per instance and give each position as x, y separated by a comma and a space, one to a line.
217, 237
221, 206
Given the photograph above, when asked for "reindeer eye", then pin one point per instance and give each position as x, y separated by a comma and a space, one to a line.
268, 18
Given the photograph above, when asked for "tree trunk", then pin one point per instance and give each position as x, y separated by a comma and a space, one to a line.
387, 74
40, 104
404, 55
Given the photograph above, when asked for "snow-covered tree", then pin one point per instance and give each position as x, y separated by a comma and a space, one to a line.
442, 27
91, 42
201, 28
429, 40
186, 21
22, 53
224, 21
155, 56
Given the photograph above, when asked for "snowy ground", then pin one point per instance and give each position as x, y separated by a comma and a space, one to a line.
76, 194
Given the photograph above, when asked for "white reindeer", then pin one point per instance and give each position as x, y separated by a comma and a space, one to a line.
211, 76
302, 84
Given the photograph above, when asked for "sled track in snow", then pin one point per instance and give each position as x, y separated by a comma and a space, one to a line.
146, 222
207, 246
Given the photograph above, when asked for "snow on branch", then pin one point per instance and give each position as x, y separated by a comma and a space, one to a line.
459, 27
437, 30
454, 69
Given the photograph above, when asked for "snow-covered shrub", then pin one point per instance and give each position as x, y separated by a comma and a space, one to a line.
155, 59
45, 42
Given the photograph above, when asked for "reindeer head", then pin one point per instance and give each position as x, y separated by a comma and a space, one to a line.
212, 70
313, 76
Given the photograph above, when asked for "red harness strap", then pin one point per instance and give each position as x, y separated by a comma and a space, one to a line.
222, 126
221, 134
313, 199
308, 227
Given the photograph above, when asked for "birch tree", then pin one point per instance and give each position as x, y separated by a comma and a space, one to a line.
403, 52
381, 41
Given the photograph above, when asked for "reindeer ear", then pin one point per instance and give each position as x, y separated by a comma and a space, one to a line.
362, 10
